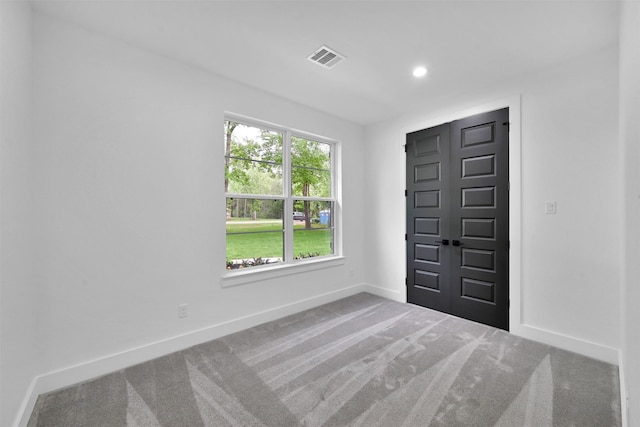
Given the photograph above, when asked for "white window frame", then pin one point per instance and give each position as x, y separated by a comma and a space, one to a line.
290, 265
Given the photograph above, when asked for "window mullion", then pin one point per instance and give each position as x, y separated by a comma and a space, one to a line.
336, 195
288, 202
314, 199
253, 196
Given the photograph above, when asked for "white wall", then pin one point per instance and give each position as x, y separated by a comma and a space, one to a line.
126, 171
569, 278
130, 200
630, 175
18, 355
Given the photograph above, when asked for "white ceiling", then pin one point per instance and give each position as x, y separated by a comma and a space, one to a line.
465, 44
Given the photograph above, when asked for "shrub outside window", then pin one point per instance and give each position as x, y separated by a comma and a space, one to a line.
280, 195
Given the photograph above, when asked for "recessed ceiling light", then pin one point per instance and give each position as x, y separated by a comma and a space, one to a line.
419, 72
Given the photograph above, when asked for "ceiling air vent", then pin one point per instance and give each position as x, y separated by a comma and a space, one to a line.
326, 57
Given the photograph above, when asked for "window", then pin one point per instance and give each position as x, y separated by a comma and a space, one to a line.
280, 196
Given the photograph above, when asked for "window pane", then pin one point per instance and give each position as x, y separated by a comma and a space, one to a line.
254, 232
311, 154
247, 177
311, 168
313, 233
253, 159
310, 182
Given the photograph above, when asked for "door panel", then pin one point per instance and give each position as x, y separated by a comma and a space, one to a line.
480, 175
457, 190
427, 199
427, 215
427, 227
476, 167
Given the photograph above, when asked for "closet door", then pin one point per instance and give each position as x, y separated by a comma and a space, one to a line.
428, 217
458, 242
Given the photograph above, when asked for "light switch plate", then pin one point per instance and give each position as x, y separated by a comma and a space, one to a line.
550, 207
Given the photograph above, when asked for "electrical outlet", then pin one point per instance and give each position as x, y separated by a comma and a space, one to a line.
550, 207
183, 311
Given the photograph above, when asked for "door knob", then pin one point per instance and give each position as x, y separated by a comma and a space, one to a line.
444, 242
456, 243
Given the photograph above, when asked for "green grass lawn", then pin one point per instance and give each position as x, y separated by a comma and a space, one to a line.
265, 240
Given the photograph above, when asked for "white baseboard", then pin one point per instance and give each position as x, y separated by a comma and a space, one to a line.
101, 366
400, 296
28, 403
565, 342
623, 392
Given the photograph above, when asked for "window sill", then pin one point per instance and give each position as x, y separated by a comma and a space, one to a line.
255, 274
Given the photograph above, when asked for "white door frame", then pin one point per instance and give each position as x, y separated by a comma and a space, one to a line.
516, 326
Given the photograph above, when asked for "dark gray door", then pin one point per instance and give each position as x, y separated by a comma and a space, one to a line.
428, 217
458, 218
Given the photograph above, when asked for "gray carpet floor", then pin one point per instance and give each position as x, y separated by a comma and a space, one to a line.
359, 361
